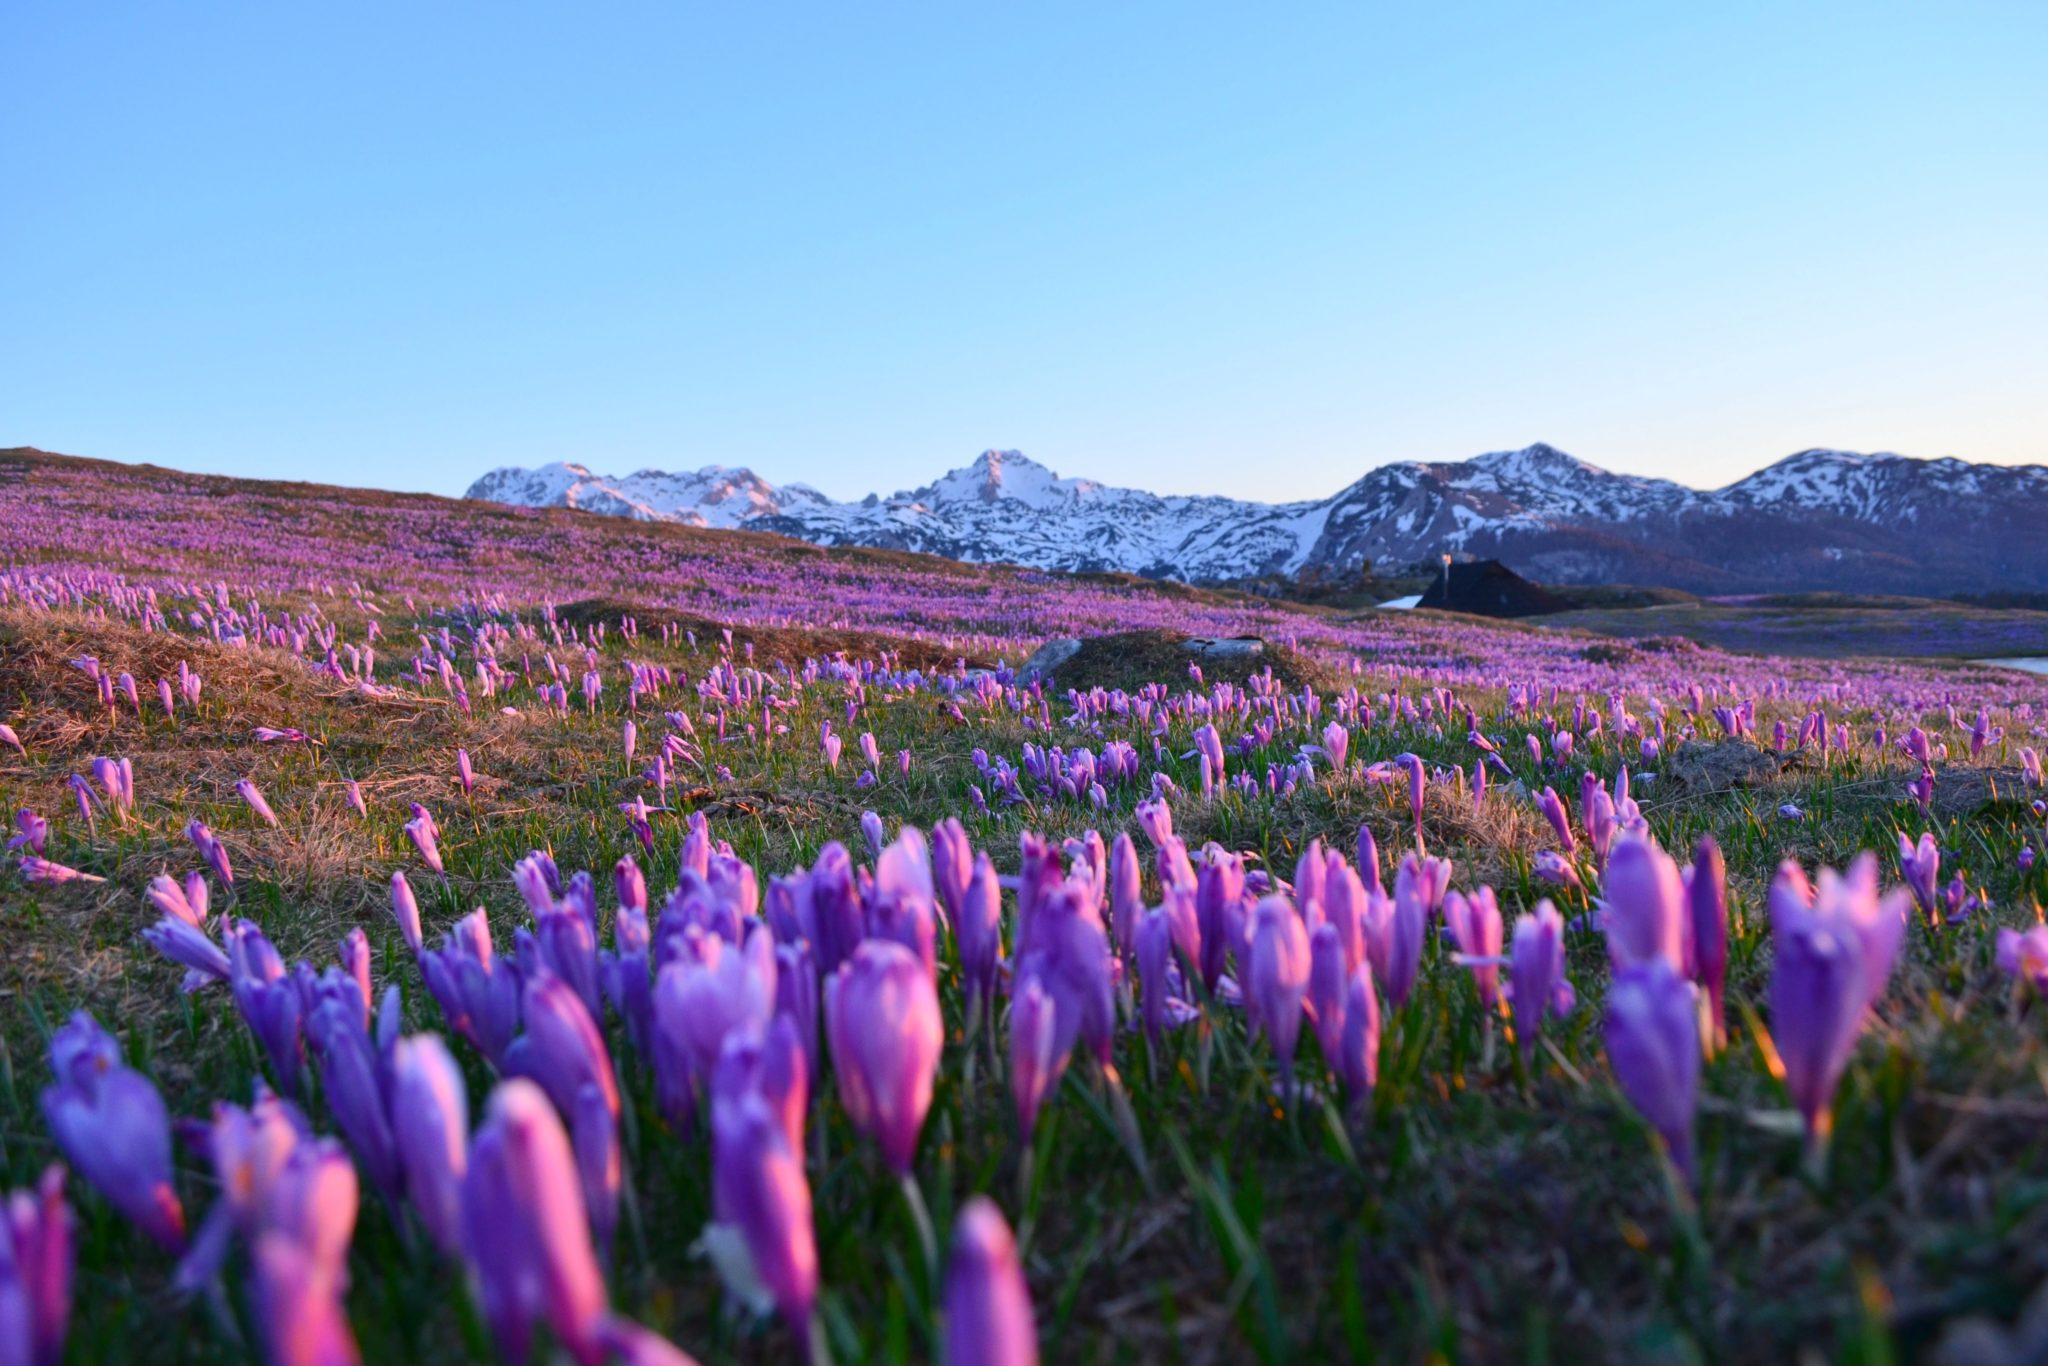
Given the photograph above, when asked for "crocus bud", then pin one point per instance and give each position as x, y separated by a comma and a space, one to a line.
405, 909
1126, 894
988, 1305
526, 1229
430, 1112
562, 1048
1553, 808
762, 1203
254, 797
1035, 1062
1278, 975
298, 1305
1327, 983
952, 864
36, 1258
1359, 1057
1706, 896
1536, 974
1643, 903
1653, 1042
883, 1021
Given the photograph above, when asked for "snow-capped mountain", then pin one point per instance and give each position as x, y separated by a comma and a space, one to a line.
1819, 519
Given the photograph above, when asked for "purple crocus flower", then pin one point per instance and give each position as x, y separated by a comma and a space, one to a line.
1835, 950
1155, 971
564, 941
430, 1115
269, 999
251, 794
1643, 904
188, 946
465, 774
562, 1049
1920, 865
1277, 977
405, 909
1653, 1042
1343, 908
116, 778
2023, 956
36, 1255
33, 832
1359, 1054
1327, 982
772, 1065
424, 835
299, 1306
1066, 949
281, 735
829, 907
1706, 899
352, 1082
904, 906
1035, 1062
1126, 894
952, 857
34, 869
1475, 925
1536, 980
711, 991
11, 740
1554, 868
1219, 910
211, 850
187, 902
883, 1021
1336, 744
1418, 785
354, 791
988, 1305
478, 991
112, 1125
1553, 808
763, 1241
1368, 859
526, 1228
1155, 818
1921, 790
1396, 927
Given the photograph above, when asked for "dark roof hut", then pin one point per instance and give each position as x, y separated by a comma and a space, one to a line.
1489, 588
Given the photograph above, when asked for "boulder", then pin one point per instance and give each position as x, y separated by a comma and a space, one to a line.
1047, 658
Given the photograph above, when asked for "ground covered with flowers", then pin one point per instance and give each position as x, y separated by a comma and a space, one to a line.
445, 933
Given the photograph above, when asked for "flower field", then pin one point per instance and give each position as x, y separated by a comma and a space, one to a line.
440, 932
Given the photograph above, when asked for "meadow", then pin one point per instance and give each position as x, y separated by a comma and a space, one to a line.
440, 932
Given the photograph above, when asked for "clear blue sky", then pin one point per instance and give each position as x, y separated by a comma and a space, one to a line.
1252, 249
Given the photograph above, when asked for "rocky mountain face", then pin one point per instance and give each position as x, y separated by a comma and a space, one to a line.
1820, 519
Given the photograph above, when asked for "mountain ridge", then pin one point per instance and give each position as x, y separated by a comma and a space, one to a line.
1819, 518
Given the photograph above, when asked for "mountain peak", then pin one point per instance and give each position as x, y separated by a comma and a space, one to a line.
1820, 517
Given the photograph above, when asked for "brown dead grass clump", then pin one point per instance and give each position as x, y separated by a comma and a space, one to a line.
771, 644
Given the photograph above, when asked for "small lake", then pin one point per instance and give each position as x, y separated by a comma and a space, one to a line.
2033, 664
